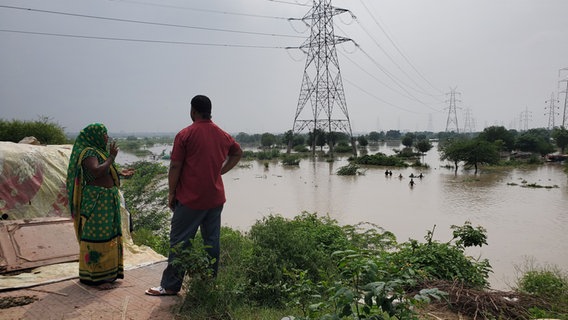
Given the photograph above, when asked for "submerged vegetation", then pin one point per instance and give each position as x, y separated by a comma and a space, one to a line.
310, 267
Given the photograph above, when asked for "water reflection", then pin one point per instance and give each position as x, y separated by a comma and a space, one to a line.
520, 221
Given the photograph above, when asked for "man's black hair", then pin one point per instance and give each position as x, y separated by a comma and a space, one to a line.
202, 104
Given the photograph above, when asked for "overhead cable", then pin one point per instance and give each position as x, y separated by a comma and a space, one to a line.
150, 23
397, 48
145, 40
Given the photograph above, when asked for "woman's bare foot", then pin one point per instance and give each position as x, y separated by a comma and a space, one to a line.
108, 285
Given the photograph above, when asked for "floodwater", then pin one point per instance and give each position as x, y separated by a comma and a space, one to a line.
524, 225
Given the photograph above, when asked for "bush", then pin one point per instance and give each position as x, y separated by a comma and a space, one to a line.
146, 200
305, 243
381, 159
301, 148
44, 130
446, 261
343, 148
208, 298
547, 283
348, 170
290, 160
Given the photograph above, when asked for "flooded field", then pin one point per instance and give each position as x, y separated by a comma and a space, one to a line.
522, 223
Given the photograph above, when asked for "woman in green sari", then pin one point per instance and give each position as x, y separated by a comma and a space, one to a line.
92, 187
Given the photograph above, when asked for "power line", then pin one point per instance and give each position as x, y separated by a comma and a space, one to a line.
419, 89
379, 99
203, 10
144, 40
149, 23
293, 3
394, 79
374, 77
397, 48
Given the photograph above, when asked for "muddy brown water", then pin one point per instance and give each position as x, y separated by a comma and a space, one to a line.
524, 225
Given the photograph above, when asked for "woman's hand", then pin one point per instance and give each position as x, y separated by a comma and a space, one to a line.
113, 149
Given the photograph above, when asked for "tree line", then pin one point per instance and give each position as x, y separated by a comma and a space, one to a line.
496, 142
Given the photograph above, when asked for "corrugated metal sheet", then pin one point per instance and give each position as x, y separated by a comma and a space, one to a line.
37, 242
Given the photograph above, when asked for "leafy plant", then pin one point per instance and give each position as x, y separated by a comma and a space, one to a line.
548, 283
290, 160
146, 200
44, 130
348, 170
304, 243
468, 236
446, 261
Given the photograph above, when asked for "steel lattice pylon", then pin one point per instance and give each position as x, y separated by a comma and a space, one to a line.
322, 85
452, 112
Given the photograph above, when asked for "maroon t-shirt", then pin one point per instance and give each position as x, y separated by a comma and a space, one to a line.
202, 148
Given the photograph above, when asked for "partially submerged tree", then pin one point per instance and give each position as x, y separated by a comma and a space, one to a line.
472, 152
453, 150
423, 146
560, 136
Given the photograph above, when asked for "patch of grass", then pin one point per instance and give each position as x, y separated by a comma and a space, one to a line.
548, 283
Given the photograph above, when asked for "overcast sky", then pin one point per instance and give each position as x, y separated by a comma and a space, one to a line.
134, 65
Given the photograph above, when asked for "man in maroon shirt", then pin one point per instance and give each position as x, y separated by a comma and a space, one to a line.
202, 152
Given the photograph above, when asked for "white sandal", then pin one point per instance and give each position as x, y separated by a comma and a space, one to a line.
159, 291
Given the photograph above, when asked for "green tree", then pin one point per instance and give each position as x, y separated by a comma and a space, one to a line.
500, 136
478, 152
245, 138
375, 136
560, 136
535, 140
424, 146
453, 150
408, 140
335, 138
362, 140
267, 140
393, 135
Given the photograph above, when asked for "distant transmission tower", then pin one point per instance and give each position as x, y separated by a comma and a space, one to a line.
452, 112
564, 113
551, 111
469, 126
322, 85
430, 127
525, 117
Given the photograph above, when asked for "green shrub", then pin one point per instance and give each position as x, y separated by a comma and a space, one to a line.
146, 200
446, 261
268, 155
547, 283
380, 159
45, 131
301, 148
290, 160
281, 245
208, 298
343, 148
348, 170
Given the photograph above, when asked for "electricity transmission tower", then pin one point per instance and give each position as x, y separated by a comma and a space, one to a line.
322, 85
430, 127
564, 114
551, 111
525, 117
469, 126
452, 112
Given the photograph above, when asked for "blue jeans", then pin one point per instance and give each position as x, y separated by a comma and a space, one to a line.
184, 225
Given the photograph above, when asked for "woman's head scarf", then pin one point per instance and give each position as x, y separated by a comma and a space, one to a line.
92, 136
